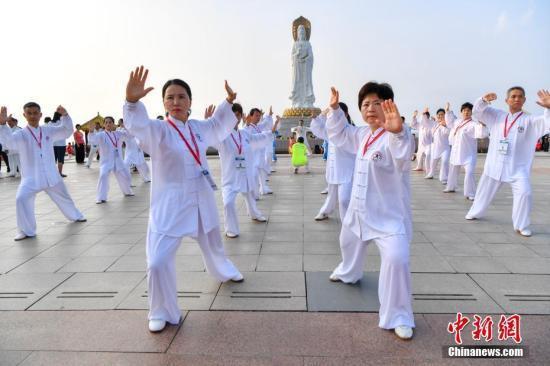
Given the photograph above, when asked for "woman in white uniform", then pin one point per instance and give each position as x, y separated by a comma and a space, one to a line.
182, 191
380, 210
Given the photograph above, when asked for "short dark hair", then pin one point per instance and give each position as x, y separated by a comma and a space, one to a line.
109, 117
427, 114
403, 118
382, 90
440, 110
236, 107
515, 88
77, 125
468, 105
32, 105
56, 116
160, 117
179, 82
300, 139
47, 119
254, 110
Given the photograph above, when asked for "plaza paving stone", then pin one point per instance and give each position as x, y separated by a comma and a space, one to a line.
286, 312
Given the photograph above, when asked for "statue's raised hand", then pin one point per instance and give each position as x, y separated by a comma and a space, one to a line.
393, 122
135, 89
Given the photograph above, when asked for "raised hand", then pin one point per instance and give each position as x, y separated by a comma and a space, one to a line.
61, 110
393, 122
415, 114
270, 110
325, 112
334, 98
544, 98
426, 110
231, 95
3, 115
209, 111
489, 97
135, 89
447, 107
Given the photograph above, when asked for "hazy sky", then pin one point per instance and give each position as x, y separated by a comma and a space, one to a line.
79, 54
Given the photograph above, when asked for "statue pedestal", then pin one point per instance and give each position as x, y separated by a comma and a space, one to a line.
287, 123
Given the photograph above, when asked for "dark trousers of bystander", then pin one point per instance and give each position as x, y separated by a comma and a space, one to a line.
80, 152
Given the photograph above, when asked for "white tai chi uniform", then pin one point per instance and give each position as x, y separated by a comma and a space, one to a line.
339, 171
463, 138
182, 200
262, 167
133, 156
93, 148
110, 150
509, 159
425, 138
39, 171
13, 157
236, 158
379, 212
440, 150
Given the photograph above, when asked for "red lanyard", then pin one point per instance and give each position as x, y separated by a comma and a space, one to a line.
369, 142
506, 129
195, 153
115, 142
39, 142
256, 128
239, 147
462, 125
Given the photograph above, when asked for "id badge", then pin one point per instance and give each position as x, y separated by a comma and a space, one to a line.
240, 163
209, 179
503, 147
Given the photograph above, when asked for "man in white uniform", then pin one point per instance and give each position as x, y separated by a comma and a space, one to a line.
38, 171
133, 155
379, 211
236, 157
182, 191
13, 155
110, 149
424, 128
93, 146
440, 148
513, 136
339, 169
262, 169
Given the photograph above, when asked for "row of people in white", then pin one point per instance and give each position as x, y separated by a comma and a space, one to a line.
255, 124
38, 170
133, 155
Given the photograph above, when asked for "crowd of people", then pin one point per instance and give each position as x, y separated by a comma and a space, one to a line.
367, 172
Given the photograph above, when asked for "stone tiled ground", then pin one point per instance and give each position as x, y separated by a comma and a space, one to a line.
50, 285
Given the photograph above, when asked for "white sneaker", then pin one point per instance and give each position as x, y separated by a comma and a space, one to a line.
267, 191
321, 216
260, 219
446, 190
403, 332
333, 278
444, 182
156, 325
99, 202
525, 232
429, 177
417, 169
238, 278
324, 191
231, 235
469, 217
470, 198
20, 236
82, 219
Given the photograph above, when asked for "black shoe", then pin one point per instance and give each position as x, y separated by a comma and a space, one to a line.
63, 175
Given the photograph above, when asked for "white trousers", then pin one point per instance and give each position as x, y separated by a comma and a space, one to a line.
15, 163
469, 179
124, 181
143, 170
522, 201
161, 269
340, 193
394, 283
423, 157
231, 221
92, 155
262, 177
444, 168
24, 206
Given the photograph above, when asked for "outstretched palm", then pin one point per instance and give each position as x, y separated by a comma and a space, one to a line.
393, 122
135, 89
3, 115
334, 98
544, 98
